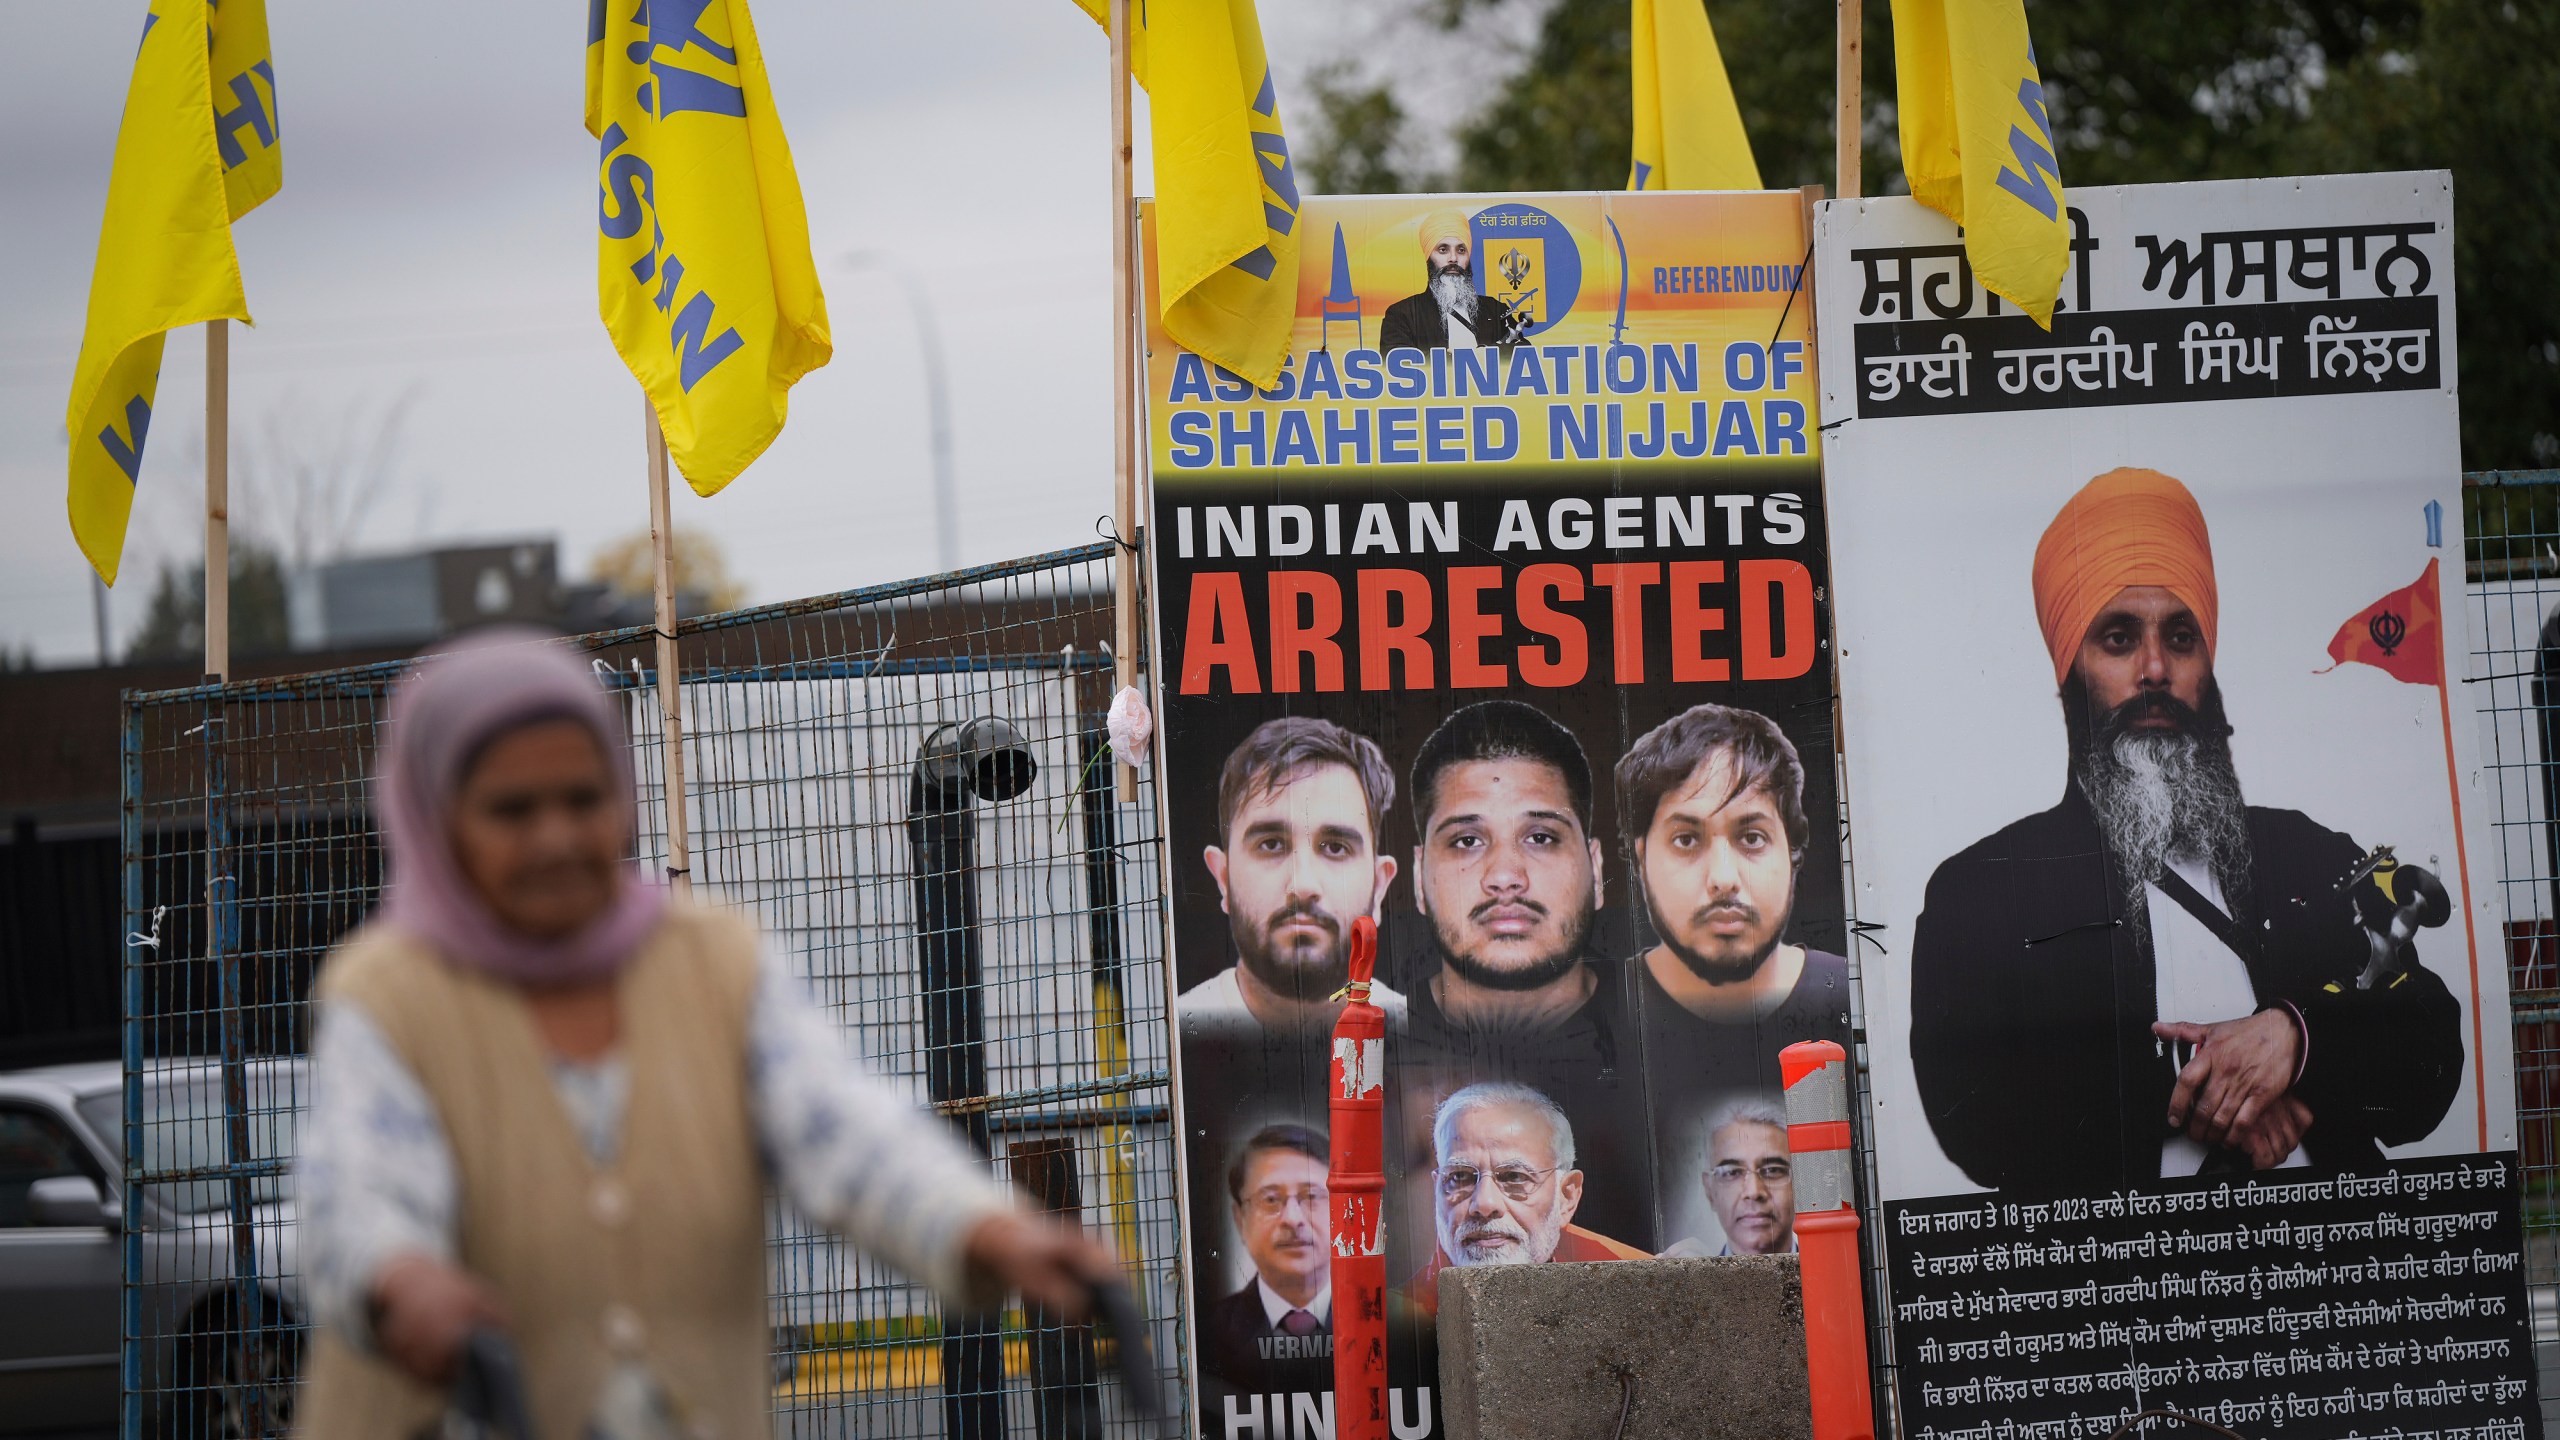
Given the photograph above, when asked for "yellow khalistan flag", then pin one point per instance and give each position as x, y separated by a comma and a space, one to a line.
702, 256
1226, 194
197, 150
1977, 145
1688, 129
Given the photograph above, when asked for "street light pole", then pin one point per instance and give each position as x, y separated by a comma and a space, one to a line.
937, 401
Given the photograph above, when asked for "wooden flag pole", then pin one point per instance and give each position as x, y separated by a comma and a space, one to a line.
670, 700
1851, 86
1124, 397
217, 499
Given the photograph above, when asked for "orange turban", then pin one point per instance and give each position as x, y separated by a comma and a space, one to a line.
1445, 224
2125, 528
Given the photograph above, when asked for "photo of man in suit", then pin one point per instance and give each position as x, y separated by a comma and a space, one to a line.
1277, 1332
1450, 313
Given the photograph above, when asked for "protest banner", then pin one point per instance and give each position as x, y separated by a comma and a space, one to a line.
2186, 1006
1501, 612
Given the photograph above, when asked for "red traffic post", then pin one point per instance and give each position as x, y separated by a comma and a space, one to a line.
1816, 1076
1358, 1104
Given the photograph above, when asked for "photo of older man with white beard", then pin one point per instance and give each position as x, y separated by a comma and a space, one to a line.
1450, 313
1504, 1188
2154, 977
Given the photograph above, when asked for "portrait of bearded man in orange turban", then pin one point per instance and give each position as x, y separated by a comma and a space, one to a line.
1449, 313
2155, 977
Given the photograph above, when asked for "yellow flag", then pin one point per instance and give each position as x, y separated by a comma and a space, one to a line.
1226, 193
702, 256
199, 148
1977, 144
1688, 129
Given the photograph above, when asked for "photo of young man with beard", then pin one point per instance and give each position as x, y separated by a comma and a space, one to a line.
1299, 808
2155, 977
1711, 806
1508, 878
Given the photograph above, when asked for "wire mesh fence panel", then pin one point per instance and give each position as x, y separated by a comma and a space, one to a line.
910, 790
2512, 527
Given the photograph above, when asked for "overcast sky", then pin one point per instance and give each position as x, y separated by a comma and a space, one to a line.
434, 242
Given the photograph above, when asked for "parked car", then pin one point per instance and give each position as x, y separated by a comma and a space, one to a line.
215, 1354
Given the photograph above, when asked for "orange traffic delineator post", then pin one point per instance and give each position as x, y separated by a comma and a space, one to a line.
1816, 1075
1358, 1106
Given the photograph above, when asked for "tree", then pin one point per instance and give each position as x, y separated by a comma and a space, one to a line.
1363, 141
173, 626
2139, 92
628, 568
314, 477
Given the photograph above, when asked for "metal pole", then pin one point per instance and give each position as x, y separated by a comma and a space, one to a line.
1124, 394
1110, 991
129, 1363
944, 832
670, 696
245, 1343
1066, 1387
937, 402
98, 619
217, 499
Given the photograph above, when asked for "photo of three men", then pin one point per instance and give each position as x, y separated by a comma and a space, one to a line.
1575, 1073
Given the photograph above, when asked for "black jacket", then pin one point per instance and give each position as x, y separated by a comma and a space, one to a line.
1418, 323
2032, 1002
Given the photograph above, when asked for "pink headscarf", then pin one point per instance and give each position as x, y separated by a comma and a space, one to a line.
441, 716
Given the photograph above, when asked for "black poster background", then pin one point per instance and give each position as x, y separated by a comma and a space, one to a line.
1232, 1088
2387, 1300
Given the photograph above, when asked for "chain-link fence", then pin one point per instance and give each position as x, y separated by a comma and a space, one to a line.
983, 919
2512, 533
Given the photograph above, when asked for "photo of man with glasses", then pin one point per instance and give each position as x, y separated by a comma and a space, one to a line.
1277, 1332
1750, 1184
1504, 1188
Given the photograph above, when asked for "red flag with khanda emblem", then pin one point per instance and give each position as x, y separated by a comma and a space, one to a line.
2403, 634
2398, 633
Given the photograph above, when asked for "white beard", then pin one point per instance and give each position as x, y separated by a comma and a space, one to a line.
2157, 795
1456, 296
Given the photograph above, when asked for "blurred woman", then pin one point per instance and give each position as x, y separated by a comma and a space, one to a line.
548, 1097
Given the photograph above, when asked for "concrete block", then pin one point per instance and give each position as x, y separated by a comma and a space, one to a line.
1716, 1349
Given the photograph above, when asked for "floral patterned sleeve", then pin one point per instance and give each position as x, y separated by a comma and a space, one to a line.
854, 1153
375, 1179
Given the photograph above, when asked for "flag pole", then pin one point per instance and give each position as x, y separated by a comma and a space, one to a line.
670, 707
1124, 398
217, 499
1851, 97
2462, 864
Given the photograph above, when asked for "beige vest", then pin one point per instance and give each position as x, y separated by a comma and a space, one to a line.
661, 1256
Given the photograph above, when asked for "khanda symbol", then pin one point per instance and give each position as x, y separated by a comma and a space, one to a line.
1515, 267
2387, 630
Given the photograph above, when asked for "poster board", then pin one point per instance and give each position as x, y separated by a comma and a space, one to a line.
2231, 464
1418, 603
